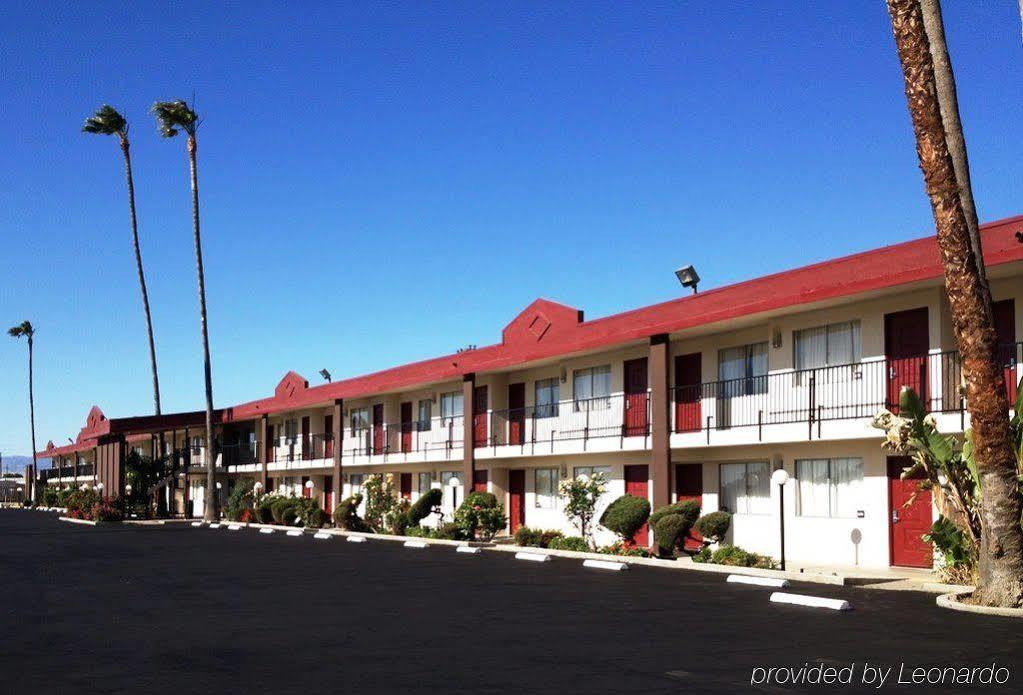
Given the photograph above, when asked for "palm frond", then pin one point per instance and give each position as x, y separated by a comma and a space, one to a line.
22, 329
106, 121
174, 116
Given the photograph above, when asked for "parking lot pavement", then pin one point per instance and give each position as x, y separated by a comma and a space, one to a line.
119, 609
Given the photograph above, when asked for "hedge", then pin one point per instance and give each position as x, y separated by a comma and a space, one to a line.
626, 515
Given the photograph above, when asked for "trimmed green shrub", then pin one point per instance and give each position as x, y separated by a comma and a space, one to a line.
289, 514
449, 532
419, 532
625, 516
262, 511
346, 516
688, 509
622, 548
50, 497
670, 532
535, 537
240, 499
714, 526
277, 508
576, 543
317, 518
427, 503
106, 511
736, 557
81, 502
480, 516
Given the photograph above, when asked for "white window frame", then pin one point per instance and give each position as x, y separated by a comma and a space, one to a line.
593, 401
830, 329
548, 498
452, 406
543, 411
747, 488
834, 491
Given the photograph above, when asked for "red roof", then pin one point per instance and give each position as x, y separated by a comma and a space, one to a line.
547, 329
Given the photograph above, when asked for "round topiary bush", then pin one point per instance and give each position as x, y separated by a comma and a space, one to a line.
688, 509
277, 508
480, 515
714, 526
317, 518
625, 516
670, 531
346, 515
288, 515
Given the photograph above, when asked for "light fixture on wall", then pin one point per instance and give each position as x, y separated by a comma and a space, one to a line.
776, 337
308, 485
688, 277
564, 375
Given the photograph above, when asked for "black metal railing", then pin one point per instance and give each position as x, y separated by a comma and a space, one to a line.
404, 438
615, 415
239, 454
843, 392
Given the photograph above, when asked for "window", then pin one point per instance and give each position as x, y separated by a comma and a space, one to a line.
545, 485
829, 487
425, 482
546, 398
743, 370
451, 405
425, 412
590, 471
356, 479
591, 388
359, 420
827, 346
290, 430
746, 488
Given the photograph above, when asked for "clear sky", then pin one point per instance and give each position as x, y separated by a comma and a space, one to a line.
385, 182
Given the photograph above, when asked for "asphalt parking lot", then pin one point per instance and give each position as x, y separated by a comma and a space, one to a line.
176, 609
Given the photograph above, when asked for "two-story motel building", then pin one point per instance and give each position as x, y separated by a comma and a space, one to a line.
700, 397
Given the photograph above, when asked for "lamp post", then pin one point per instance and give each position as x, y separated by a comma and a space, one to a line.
779, 478
453, 483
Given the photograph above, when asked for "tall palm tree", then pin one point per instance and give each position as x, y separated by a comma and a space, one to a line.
25, 329
1001, 547
107, 121
172, 117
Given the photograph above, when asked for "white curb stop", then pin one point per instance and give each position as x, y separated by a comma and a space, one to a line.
834, 604
415, 544
356, 539
214, 525
295, 532
234, 527
757, 581
605, 565
467, 549
533, 557
196, 523
322, 535
266, 530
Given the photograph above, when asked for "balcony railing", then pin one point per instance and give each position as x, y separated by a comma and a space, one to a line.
615, 415
66, 471
843, 392
440, 434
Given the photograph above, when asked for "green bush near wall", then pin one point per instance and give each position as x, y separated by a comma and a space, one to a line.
625, 516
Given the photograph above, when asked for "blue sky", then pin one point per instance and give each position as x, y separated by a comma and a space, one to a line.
387, 182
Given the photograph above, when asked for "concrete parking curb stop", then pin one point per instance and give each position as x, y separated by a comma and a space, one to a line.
834, 604
757, 581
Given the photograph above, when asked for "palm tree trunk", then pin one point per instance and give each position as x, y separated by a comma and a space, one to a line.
948, 101
142, 276
1001, 547
32, 421
211, 513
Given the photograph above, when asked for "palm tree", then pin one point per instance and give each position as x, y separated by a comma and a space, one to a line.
1001, 547
173, 117
24, 329
107, 121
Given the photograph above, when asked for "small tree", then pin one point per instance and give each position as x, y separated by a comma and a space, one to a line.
480, 516
581, 495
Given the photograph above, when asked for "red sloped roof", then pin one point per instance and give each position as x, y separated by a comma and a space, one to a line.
547, 329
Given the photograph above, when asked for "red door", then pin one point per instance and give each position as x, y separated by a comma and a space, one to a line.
307, 448
689, 488
636, 485
479, 481
479, 416
516, 413
378, 428
328, 436
406, 486
1005, 328
328, 493
905, 347
635, 420
306, 491
270, 446
688, 396
516, 499
406, 431
907, 525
